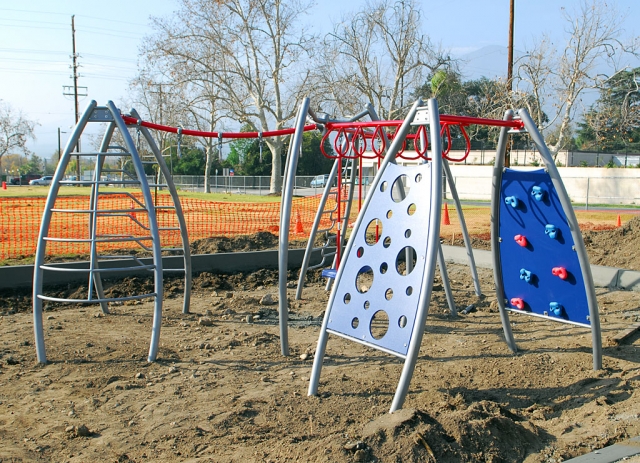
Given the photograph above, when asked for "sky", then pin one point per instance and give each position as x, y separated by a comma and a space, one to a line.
35, 45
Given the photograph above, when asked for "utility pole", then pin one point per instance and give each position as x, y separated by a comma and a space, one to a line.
507, 159
510, 57
75, 94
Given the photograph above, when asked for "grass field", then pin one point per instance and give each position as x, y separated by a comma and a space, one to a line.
25, 191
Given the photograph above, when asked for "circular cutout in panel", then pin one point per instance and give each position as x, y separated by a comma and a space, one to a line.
360, 251
407, 233
387, 242
411, 209
373, 231
364, 279
354, 323
388, 294
379, 324
400, 189
406, 260
409, 290
418, 178
402, 321
384, 267
347, 298
366, 305
389, 214
383, 186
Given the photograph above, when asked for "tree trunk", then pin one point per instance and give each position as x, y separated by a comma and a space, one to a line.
276, 145
207, 165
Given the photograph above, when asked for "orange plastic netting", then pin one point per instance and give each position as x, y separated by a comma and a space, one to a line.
121, 217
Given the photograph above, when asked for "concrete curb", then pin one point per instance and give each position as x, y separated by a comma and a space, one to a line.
612, 453
604, 277
22, 275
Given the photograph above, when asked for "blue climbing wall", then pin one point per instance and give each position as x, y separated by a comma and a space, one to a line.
540, 268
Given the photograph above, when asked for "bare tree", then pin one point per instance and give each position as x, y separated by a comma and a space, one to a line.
593, 42
378, 55
249, 52
15, 131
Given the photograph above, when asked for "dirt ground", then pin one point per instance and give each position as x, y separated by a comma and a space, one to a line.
222, 392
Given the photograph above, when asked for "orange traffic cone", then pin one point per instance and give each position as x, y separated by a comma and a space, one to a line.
618, 221
299, 228
445, 220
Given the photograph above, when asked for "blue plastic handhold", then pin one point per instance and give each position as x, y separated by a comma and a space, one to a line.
556, 309
538, 193
511, 201
525, 275
329, 273
551, 230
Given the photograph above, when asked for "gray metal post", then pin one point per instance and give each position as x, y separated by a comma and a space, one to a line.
94, 274
153, 229
44, 229
285, 218
184, 234
314, 229
446, 284
463, 225
431, 251
498, 168
578, 241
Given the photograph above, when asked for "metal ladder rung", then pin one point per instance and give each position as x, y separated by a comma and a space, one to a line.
99, 153
100, 212
158, 185
89, 240
168, 228
98, 270
98, 300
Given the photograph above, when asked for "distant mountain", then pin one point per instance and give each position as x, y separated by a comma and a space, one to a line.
489, 61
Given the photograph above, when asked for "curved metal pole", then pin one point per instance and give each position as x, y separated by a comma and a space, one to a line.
153, 229
431, 251
578, 241
463, 225
446, 284
285, 219
498, 168
314, 229
184, 233
44, 231
94, 273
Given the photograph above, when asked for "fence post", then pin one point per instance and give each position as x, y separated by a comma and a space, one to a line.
587, 200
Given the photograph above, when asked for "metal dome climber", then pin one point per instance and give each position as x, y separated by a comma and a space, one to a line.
109, 220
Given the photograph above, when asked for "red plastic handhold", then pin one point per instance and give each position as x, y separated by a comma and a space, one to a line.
521, 240
560, 272
517, 302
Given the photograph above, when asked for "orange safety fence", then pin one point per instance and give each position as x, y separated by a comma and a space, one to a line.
20, 220
121, 220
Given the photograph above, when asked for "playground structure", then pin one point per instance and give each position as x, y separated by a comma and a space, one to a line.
106, 225
381, 279
383, 286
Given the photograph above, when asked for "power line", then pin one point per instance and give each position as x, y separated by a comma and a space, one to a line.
79, 16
